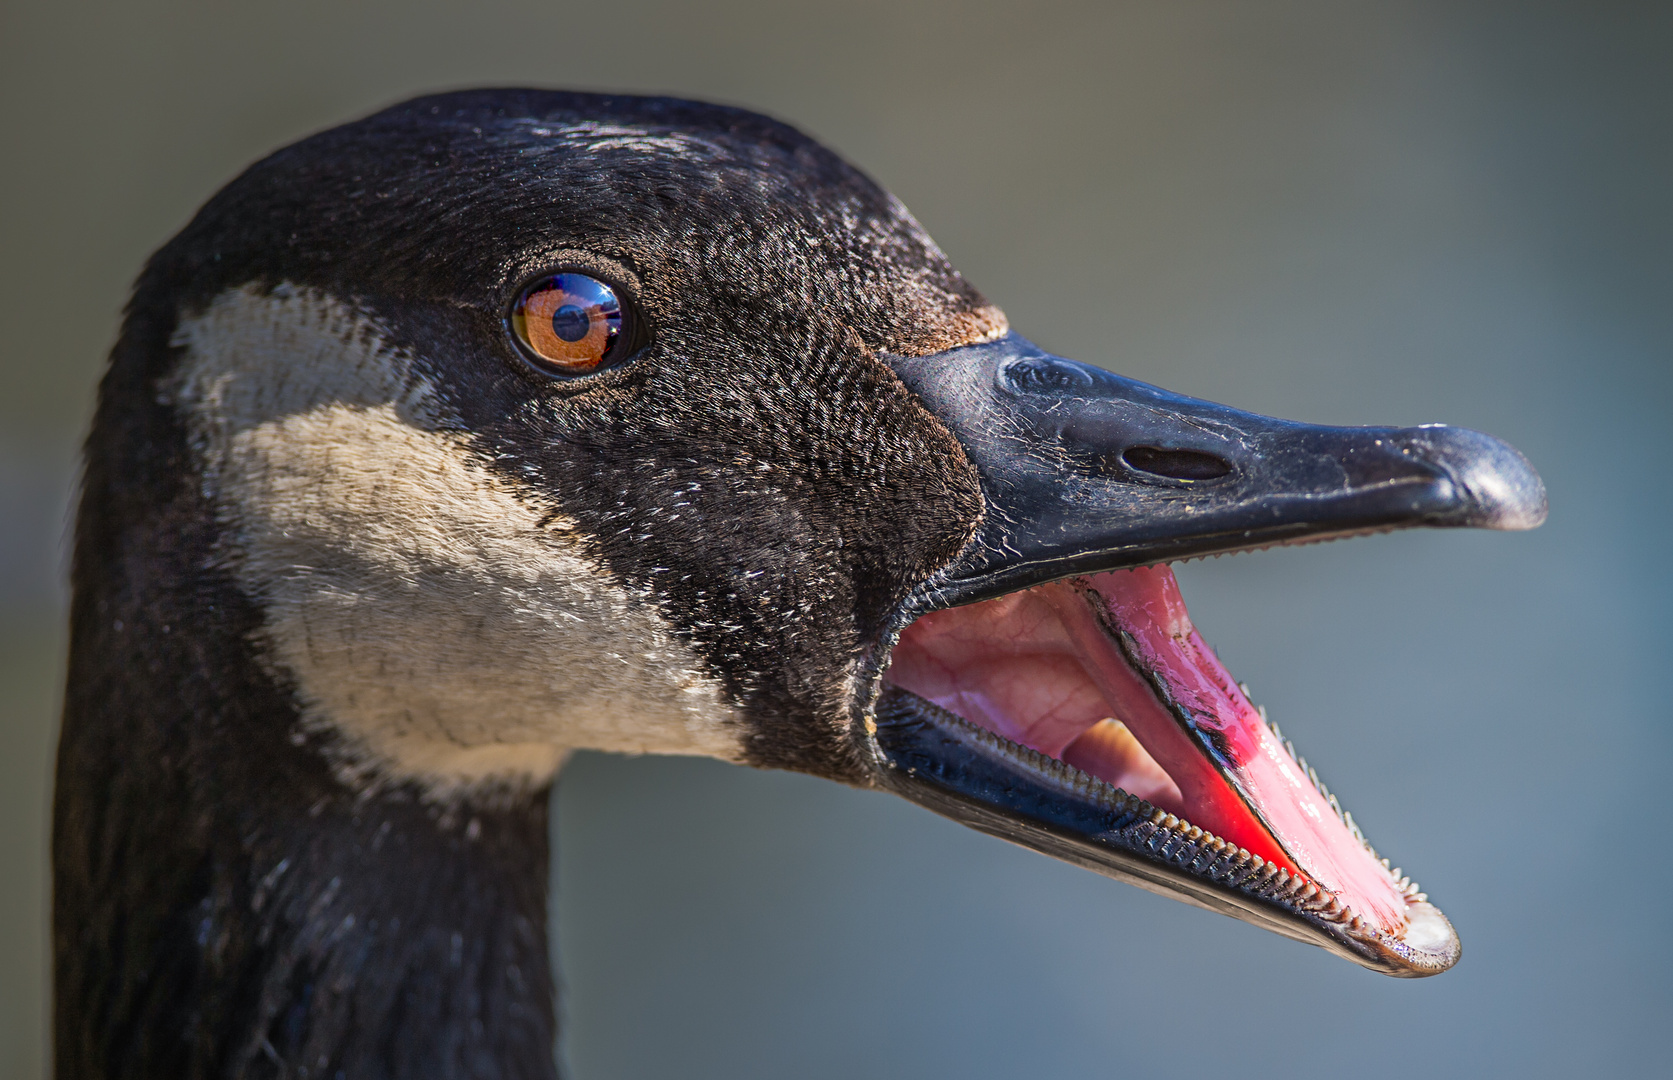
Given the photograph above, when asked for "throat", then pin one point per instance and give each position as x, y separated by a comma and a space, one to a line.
346, 937
408, 941
225, 906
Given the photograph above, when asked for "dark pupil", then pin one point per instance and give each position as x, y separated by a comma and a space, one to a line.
570, 323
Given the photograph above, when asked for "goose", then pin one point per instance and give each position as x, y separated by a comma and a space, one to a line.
505, 423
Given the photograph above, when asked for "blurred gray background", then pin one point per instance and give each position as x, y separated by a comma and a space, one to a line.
1346, 212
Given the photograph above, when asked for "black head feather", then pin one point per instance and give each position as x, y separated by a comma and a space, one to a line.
756, 442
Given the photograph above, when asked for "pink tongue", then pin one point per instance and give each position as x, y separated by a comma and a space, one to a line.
1041, 667
1146, 606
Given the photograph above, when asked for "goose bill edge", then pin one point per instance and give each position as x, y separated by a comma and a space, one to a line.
1049, 688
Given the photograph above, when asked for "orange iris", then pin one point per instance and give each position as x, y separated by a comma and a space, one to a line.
571, 322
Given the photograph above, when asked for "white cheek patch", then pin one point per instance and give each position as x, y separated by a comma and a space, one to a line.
446, 630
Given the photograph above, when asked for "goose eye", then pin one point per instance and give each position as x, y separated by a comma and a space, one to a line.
570, 323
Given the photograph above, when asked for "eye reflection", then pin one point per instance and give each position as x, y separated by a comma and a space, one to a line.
571, 322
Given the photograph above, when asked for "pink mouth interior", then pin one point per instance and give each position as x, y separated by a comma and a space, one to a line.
1047, 668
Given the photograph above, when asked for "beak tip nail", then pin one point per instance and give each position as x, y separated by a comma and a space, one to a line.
1501, 489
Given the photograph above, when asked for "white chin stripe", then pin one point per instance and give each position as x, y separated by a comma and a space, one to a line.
448, 631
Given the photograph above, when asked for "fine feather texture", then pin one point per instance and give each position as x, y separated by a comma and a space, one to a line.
755, 482
446, 630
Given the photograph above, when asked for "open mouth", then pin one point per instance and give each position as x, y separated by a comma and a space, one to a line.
1048, 686
1089, 713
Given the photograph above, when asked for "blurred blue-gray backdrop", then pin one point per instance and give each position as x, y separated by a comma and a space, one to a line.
1399, 213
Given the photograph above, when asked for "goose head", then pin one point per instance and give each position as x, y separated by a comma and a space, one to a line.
508, 423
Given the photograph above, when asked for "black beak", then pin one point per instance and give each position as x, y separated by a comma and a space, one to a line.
1085, 471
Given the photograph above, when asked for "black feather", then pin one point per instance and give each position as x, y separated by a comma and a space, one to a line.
224, 905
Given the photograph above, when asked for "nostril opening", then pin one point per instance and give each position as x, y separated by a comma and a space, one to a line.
1176, 464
